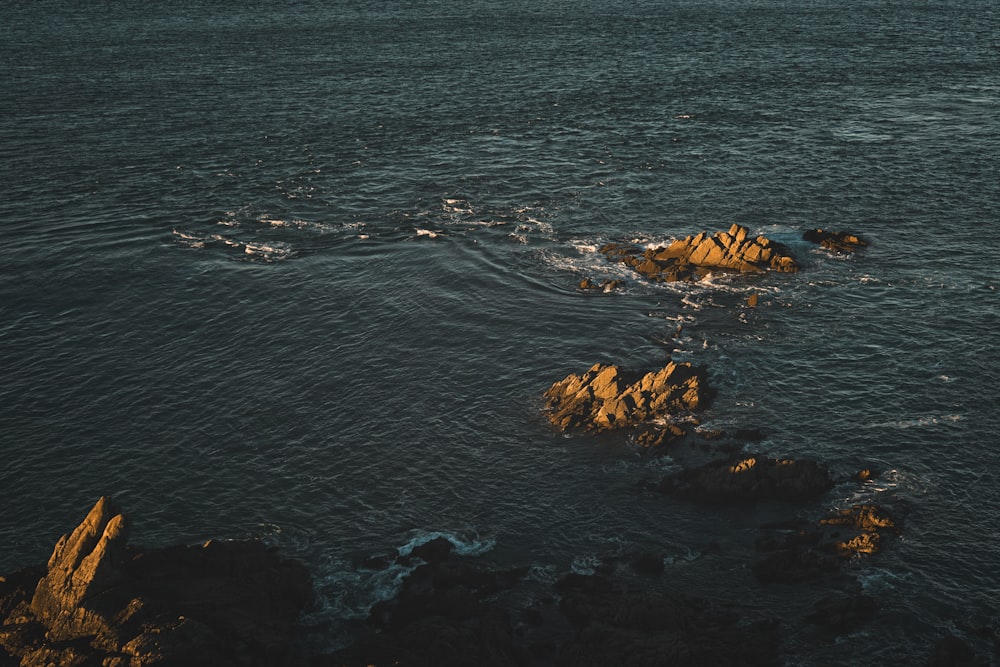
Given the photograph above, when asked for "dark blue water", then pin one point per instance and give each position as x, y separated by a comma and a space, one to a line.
302, 271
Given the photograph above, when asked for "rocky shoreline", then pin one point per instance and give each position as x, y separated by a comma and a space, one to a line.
101, 601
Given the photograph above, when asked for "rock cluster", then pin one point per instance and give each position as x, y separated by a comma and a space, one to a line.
749, 478
453, 613
837, 241
692, 258
101, 602
800, 551
606, 398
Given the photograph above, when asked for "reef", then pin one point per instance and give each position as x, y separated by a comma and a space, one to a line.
100, 601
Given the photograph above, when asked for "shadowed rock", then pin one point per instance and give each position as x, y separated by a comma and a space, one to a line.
838, 615
694, 257
749, 478
837, 241
803, 551
619, 626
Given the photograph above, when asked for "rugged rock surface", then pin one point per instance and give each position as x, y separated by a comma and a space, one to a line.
837, 241
619, 626
692, 258
102, 602
454, 613
749, 478
801, 551
606, 398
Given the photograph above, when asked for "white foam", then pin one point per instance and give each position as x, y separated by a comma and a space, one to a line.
586, 564
465, 544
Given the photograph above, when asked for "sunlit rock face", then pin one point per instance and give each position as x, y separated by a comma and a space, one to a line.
694, 257
606, 398
100, 601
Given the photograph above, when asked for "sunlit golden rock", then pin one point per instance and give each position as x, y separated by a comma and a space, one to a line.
605, 398
694, 257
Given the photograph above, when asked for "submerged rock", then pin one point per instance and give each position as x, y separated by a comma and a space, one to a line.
838, 241
605, 398
694, 257
102, 602
749, 478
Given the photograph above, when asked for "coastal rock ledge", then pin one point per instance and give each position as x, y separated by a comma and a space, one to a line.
605, 398
102, 602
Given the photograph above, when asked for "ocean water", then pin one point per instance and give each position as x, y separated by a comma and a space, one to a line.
302, 271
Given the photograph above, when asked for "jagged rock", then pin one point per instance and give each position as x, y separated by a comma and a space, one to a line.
102, 602
83, 565
800, 552
604, 398
692, 258
865, 517
750, 478
838, 241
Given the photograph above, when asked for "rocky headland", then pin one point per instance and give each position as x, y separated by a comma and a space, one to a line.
101, 601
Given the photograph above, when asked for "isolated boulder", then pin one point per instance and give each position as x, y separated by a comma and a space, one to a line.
837, 241
606, 398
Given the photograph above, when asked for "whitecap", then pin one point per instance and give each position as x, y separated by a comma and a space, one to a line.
465, 544
585, 564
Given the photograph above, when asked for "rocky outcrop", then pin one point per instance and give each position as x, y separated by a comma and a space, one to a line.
749, 478
443, 615
694, 257
802, 551
616, 625
101, 602
837, 241
454, 613
606, 398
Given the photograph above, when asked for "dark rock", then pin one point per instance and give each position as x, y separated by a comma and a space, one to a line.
950, 651
647, 563
838, 241
440, 617
101, 602
750, 478
619, 626
433, 551
841, 615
